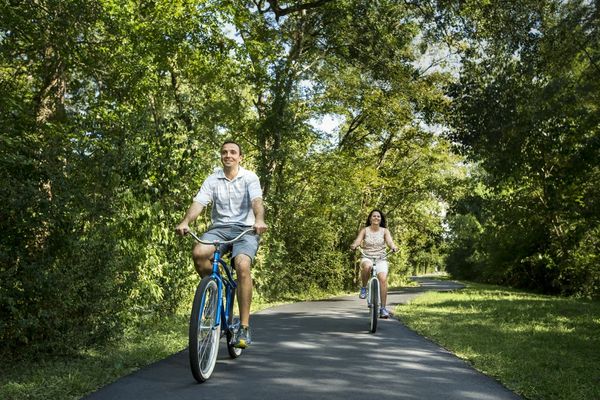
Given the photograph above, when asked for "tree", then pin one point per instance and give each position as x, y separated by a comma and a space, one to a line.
526, 111
111, 114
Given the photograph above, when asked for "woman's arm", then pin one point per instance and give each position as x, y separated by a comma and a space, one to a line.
358, 240
389, 241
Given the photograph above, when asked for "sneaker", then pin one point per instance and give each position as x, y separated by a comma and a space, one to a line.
363, 293
383, 313
241, 339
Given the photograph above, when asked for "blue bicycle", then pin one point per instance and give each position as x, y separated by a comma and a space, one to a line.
212, 314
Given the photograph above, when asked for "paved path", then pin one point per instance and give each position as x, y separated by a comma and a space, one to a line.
321, 350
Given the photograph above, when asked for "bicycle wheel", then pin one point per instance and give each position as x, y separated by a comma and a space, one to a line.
204, 332
374, 300
233, 322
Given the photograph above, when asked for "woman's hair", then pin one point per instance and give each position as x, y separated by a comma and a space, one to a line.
382, 224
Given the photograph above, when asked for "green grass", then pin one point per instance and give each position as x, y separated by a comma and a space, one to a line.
71, 377
541, 347
38, 377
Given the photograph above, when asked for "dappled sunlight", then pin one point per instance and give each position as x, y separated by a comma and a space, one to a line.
302, 346
322, 349
513, 334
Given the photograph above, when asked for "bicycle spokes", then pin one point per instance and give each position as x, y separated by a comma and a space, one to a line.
204, 330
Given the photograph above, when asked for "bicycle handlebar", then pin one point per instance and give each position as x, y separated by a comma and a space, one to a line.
387, 253
219, 242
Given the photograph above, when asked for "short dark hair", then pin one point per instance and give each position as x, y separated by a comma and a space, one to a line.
382, 224
232, 142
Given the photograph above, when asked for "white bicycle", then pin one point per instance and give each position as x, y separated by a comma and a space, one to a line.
374, 290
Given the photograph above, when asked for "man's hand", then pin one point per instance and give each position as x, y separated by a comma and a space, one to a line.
182, 229
260, 227
190, 216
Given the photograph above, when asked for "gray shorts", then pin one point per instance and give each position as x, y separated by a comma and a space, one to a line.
247, 244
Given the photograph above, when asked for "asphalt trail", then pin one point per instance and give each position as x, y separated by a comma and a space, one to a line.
321, 349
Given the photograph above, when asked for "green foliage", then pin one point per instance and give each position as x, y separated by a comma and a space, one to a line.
111, 114
526, 111
541, 347
320, 186
73, 376
93, 159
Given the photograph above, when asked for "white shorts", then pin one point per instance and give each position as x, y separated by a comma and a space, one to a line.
382, 265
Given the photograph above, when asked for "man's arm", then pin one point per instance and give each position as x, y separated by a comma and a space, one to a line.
190, 216
259, 215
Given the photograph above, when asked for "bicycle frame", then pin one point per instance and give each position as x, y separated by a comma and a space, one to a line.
373, 285
374, 260
212, 309
369, 283
228, 282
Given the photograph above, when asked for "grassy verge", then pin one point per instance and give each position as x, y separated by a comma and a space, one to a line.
71, 377
38, 377
541, 347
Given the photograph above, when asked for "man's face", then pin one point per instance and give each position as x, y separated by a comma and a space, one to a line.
230, 155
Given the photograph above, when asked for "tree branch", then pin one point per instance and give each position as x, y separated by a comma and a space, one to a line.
280, 12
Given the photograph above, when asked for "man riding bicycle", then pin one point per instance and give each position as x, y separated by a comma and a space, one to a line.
236, 196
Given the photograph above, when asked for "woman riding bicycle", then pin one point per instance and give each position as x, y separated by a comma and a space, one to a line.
374, 238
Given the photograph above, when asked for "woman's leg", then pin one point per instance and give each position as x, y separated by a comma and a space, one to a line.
365, 271
382, 276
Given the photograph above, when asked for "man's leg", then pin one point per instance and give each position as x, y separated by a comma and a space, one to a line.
243, 252
202, 254
244, 290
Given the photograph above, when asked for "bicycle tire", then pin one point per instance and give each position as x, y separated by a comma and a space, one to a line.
234, 323
374, 300
204, 333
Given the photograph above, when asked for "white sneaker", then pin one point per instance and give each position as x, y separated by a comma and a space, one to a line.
363, 293
383, 313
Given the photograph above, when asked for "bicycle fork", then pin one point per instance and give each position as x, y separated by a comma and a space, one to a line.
229, 322
369, 285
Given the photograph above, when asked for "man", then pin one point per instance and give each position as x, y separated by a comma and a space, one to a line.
237, 205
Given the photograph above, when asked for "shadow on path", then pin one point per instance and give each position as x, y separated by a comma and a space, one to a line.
321, 349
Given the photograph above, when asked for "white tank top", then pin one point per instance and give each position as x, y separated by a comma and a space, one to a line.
374, 242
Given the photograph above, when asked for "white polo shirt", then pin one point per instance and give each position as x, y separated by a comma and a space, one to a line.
232, 199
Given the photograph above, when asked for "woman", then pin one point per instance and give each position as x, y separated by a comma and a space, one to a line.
375, 236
